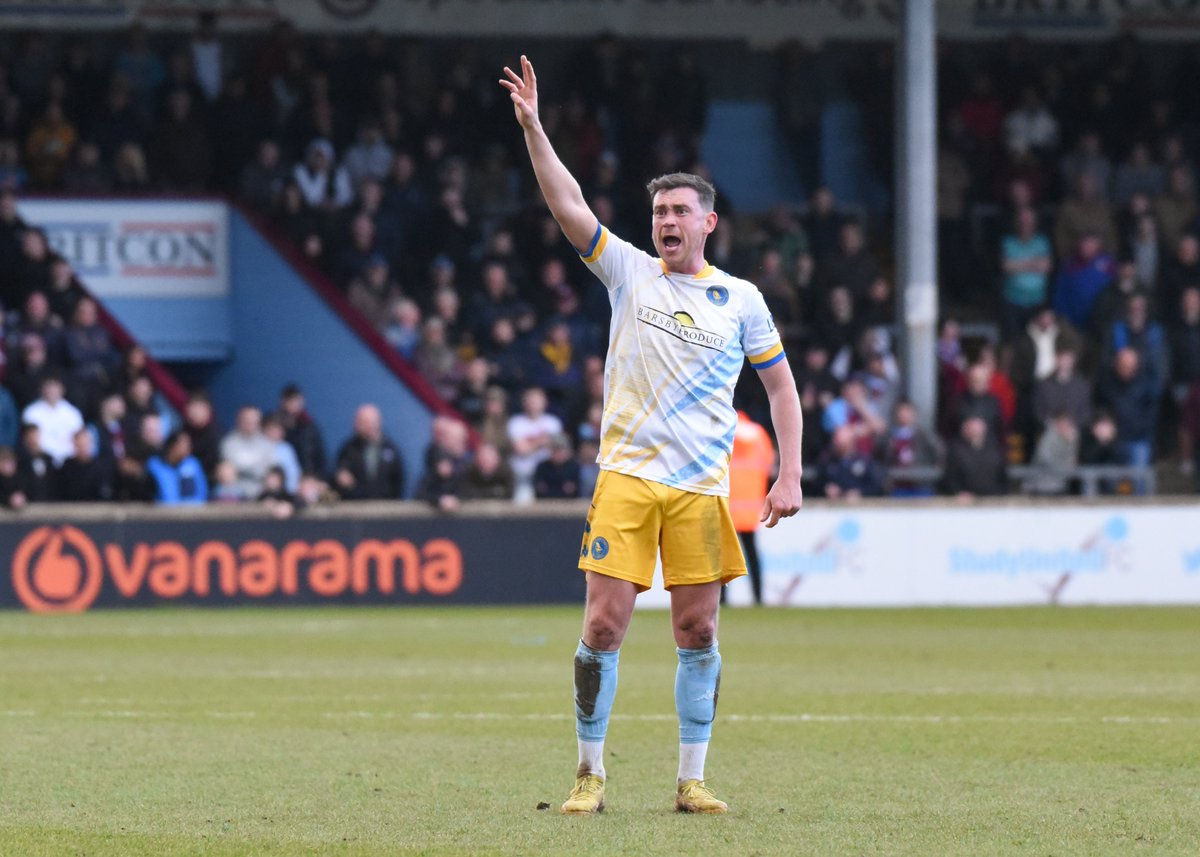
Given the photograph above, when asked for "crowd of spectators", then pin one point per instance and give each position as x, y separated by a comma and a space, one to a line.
1070, 261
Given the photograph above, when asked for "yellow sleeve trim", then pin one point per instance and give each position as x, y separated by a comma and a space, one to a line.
771, 355
598, 248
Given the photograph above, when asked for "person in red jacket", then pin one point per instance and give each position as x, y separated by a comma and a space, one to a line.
749, 478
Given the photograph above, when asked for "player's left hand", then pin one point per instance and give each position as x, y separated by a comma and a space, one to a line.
522, 89
783, 500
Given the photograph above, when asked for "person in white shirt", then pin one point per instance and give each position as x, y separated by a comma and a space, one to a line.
56, 418
530, 432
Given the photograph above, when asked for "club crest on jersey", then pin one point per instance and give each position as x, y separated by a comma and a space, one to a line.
717, 295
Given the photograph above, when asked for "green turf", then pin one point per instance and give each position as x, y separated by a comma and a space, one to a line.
438, 731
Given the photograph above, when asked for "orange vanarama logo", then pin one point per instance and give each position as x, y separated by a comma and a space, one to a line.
59, 570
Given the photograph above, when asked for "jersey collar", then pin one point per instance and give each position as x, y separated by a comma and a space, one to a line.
707, 271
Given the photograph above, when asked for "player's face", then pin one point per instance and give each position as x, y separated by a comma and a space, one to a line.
680, 228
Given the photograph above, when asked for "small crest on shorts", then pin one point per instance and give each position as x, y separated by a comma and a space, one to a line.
718, 295
599, 547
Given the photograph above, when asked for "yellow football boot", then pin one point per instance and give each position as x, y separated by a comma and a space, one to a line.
694, 796
587, 798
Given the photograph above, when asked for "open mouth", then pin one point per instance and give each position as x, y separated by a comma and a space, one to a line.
671, 242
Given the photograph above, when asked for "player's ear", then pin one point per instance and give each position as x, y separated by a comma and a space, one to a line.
710, 222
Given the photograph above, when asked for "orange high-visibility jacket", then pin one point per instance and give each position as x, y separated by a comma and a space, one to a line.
749, 473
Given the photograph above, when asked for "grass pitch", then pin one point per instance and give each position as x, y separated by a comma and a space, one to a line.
439, 731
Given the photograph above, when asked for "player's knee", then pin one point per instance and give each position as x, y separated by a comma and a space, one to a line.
602, 632
695, 631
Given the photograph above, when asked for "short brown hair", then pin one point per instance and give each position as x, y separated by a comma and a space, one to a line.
671, 181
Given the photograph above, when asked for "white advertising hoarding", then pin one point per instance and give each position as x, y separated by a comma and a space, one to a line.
977, 556
139, 248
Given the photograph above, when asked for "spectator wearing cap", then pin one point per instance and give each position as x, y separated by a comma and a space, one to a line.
57, 419
178, 476
249, 450
323, 184
557, 476
369, 465
301, 430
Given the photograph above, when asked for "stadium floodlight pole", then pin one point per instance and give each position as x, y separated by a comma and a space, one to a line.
916, 186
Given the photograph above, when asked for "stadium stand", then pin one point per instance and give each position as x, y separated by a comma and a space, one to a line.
1069, 247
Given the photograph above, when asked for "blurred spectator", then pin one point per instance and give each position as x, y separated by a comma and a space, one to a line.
323, 184
403, 330
435, 358
910, 444
848, 472
1081, 279
49, 146
275, 494
750, 466
84, 478
180, 151
178, 477
1057, 451
56, 418
262, 180
131, 171
87, 174
1062, 393
441, 484
1027, 261
63, 293
1136, 330
285, 457
1086, 214
1191, 427
209, 62
369, 466
557, 476
488, 476
850, 264
1138, 174
1185, 365
250, 451
373, 291
1088, 160
493, 427
226, 486
853, 409
90, 355
134, 480
108, 430
370, 157
37, 476
142, 67
1182, 270
1126, 389
200, 423
556, 368
975, 465
472, 391
1030, 126
12, 493
529, 434
10, 419
301, 430
1175, 208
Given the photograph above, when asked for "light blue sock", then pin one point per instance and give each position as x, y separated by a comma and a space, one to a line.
595, 689
697, 686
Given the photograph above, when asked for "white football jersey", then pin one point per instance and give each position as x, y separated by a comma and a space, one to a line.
675, 351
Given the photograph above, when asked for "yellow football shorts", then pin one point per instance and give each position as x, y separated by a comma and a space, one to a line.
631, 519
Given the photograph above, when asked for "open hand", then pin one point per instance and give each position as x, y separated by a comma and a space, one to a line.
523, 91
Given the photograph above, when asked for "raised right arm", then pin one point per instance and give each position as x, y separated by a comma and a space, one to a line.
562, 192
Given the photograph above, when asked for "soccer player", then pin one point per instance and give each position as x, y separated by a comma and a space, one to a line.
680, 331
